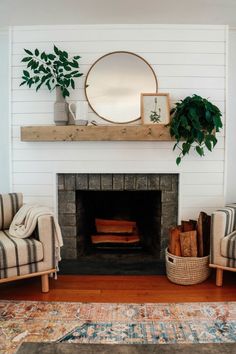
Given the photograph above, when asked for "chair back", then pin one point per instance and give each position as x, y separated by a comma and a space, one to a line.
230, 221
9, 205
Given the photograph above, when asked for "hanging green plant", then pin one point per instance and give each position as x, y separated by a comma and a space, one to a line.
52, 70
194, 121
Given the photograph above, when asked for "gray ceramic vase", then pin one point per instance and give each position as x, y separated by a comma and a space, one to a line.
61, 111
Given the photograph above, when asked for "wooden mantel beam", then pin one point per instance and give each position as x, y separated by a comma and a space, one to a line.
152, 132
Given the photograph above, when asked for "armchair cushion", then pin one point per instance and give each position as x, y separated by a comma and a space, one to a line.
9, 205
30, 240
16, 252
228, 246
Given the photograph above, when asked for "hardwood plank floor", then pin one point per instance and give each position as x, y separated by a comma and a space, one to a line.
126, 289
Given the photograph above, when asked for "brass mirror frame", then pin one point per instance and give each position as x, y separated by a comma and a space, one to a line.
92, 66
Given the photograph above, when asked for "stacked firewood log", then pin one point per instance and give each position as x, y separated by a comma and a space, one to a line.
191, 238
115, 232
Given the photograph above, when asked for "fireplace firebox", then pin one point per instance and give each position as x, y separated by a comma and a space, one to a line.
147, 202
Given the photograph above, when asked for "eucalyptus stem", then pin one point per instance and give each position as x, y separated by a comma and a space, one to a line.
53, 69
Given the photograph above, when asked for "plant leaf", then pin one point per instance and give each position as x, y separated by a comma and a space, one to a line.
24, 60
30, 63
36, 79
178, 160
200, 150
42, 56
26, 73
74, 64
208, 144
56, 50
51, 56
65, 92
28, 51
65, 54
38, 87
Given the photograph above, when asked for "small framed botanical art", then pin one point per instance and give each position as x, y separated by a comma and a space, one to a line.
155, 108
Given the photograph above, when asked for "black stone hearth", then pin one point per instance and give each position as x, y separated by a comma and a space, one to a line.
151, 200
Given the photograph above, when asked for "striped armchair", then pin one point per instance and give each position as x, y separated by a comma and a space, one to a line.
223, 241
28, 257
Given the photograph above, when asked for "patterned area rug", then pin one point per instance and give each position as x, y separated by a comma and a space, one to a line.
115, 323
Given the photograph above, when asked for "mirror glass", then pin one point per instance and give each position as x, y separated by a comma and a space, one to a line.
114, 84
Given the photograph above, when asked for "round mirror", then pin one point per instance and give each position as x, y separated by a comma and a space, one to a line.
114, 84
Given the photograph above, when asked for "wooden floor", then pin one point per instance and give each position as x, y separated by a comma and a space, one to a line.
126, 289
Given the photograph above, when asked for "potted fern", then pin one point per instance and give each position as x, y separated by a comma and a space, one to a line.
194, 121
55, 71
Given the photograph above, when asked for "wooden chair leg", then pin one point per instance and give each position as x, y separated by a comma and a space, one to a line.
219, 277
45, 283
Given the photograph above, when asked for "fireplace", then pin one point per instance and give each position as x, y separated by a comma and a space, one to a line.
149, 202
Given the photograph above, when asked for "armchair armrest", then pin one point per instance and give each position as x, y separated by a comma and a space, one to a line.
46, 236
219, 229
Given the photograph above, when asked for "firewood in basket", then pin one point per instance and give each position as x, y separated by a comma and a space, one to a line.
174, 241
188, 243
188, 225
203, 234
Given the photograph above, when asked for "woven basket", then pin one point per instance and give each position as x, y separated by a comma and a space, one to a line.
187, 270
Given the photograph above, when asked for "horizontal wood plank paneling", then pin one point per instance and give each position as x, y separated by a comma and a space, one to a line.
175, 93
160, 69
142, 46
191, 213
154, 58
122, 33
42, 200
202, 201
33, 179
204, 179
45, 190
118, 166
187, 59
170, 82
103, 145
109, 154
203, 190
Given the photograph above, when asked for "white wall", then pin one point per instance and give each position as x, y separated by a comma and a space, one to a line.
4, 111
25, 12
186, 58
231, 121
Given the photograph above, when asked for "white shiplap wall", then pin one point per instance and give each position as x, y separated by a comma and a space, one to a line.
187, 59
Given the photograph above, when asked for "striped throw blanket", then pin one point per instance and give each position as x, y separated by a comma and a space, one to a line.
25, 222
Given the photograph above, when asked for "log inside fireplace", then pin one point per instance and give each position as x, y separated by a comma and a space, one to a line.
115, 234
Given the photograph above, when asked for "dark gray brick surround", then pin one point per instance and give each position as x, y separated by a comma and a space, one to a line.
68, 184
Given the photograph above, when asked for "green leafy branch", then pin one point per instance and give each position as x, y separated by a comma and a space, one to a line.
194, 123
51, 70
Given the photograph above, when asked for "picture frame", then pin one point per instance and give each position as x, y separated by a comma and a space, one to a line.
155, 108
